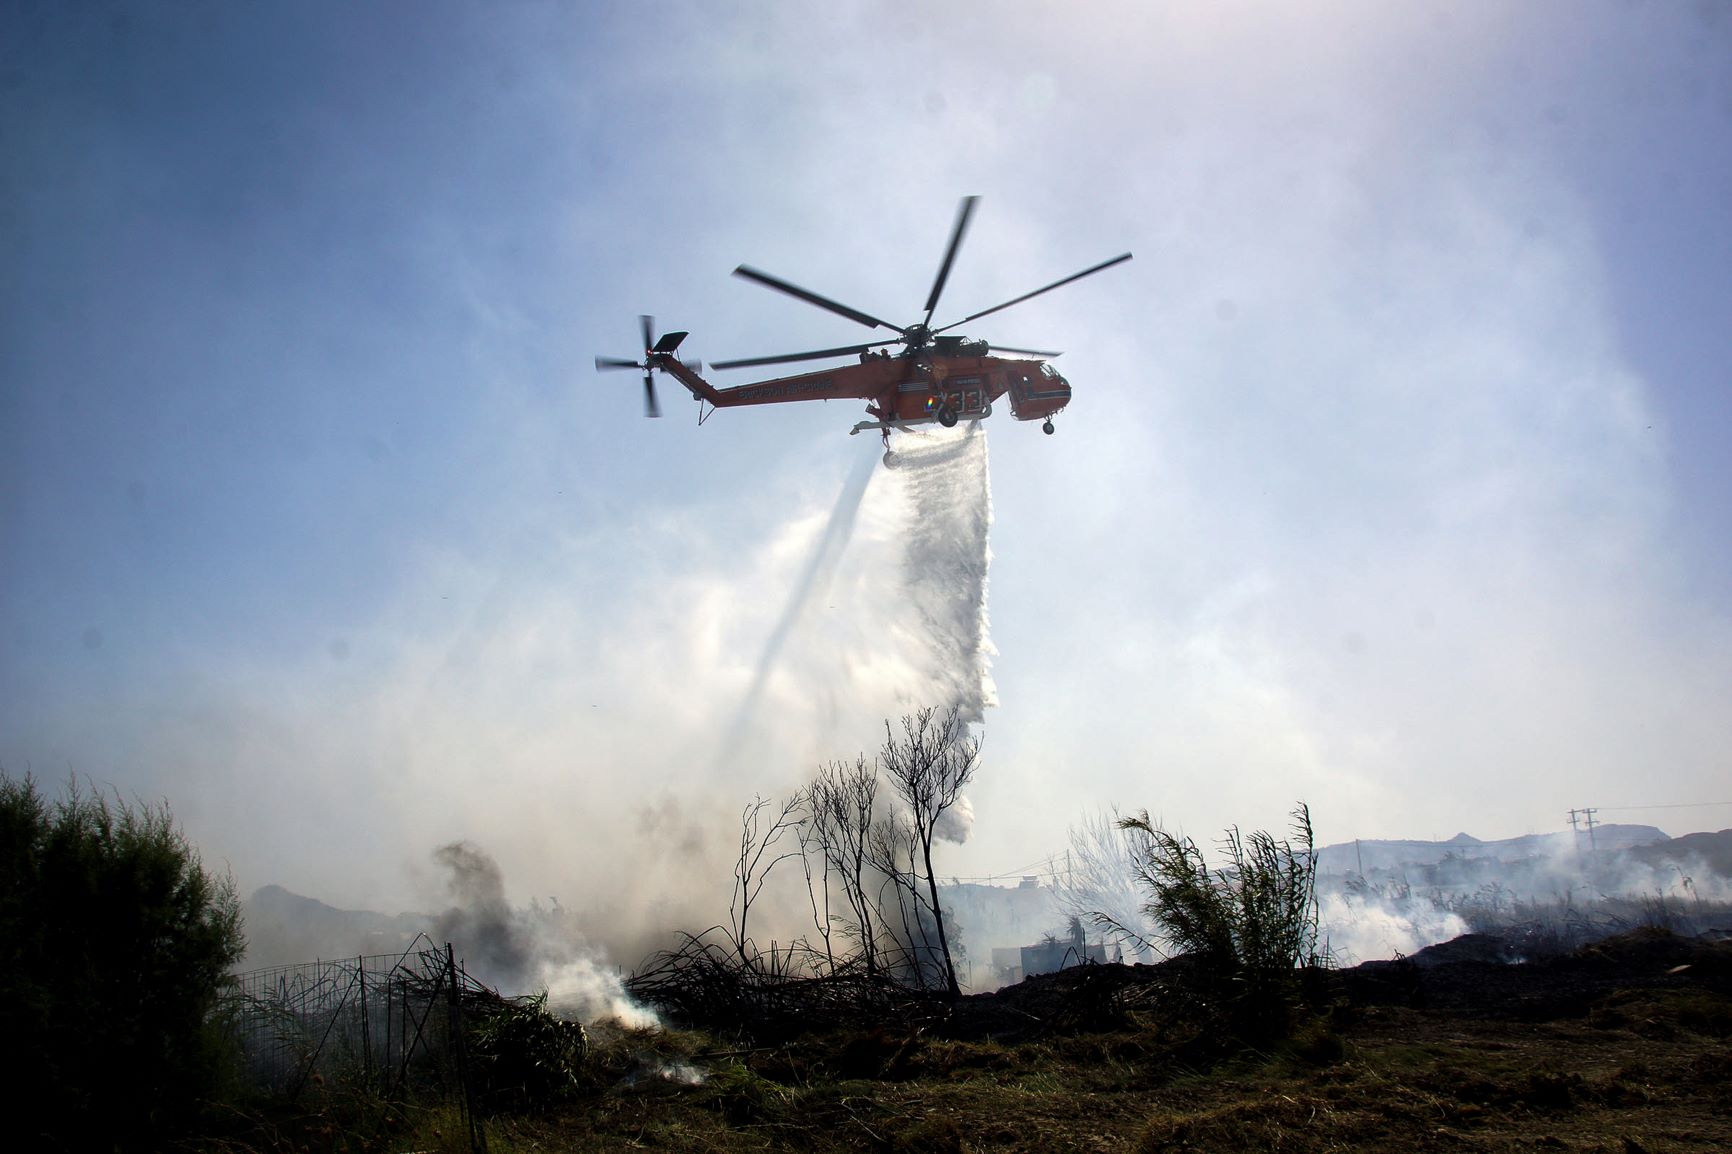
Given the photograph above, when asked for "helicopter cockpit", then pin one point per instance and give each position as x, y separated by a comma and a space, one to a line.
1037, 392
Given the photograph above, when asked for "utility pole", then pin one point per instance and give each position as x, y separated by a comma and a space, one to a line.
1578, 818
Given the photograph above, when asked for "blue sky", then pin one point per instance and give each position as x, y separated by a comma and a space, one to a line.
1394, 479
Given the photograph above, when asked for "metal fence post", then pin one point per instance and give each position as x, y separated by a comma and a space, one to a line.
477, 1137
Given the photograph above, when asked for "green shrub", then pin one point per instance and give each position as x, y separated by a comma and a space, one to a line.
1250, 925
114, 944
523, 1056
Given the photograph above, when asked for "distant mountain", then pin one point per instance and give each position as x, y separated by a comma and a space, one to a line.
1693, 851
284, 929
1367, 855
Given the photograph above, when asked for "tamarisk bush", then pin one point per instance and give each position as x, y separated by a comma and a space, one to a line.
114, 945
1250, 925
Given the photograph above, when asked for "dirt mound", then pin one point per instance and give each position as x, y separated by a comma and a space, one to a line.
1480, 975
1089, 997
1476, 975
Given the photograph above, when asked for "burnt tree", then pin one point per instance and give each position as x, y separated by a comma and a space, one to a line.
840, 803
928, 766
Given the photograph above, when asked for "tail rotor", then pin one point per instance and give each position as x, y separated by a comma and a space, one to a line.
653, 351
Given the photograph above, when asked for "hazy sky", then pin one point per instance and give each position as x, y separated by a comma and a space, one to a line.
1395, 478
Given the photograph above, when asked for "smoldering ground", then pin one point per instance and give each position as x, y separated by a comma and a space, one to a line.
532, 947
1392, 899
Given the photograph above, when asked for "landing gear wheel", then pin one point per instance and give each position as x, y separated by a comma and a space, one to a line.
1047, 428
947, 417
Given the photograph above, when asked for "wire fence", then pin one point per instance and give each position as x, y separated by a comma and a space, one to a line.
389, 1024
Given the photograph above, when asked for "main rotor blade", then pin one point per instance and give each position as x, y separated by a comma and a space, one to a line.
602, 363
789, 358
1105, 264
962, 214
1025, 352
813, 298
650, 408
649, 330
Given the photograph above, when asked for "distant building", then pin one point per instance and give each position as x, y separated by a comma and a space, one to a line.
982, 917
1053, 955
1006, 965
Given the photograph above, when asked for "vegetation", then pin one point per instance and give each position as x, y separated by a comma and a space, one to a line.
865, 835
1620, 1048
114, 944
928, 768
524, 1057
857, 1040
1250, 926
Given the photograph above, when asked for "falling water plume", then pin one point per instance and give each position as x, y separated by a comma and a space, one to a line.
825, 556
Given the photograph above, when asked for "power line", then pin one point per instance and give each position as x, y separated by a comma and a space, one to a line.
1041, 867
1032, 867
1675, 805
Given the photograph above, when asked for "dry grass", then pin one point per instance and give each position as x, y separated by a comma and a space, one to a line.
1389, 1079
1645, 1068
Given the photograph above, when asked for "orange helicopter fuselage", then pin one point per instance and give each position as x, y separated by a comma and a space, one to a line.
907, 388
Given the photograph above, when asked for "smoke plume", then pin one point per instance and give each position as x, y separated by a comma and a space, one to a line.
532, 948
600, 711
956, 823
1361, 927
480, 918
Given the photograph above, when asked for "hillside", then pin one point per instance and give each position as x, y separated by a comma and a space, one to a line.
1367, 855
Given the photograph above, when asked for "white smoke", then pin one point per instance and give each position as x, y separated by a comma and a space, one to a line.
587, 990
1366, 927
1399, 897
570, 723
529, 948
955, 823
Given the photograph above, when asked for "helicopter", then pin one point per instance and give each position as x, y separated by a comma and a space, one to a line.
935, 377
